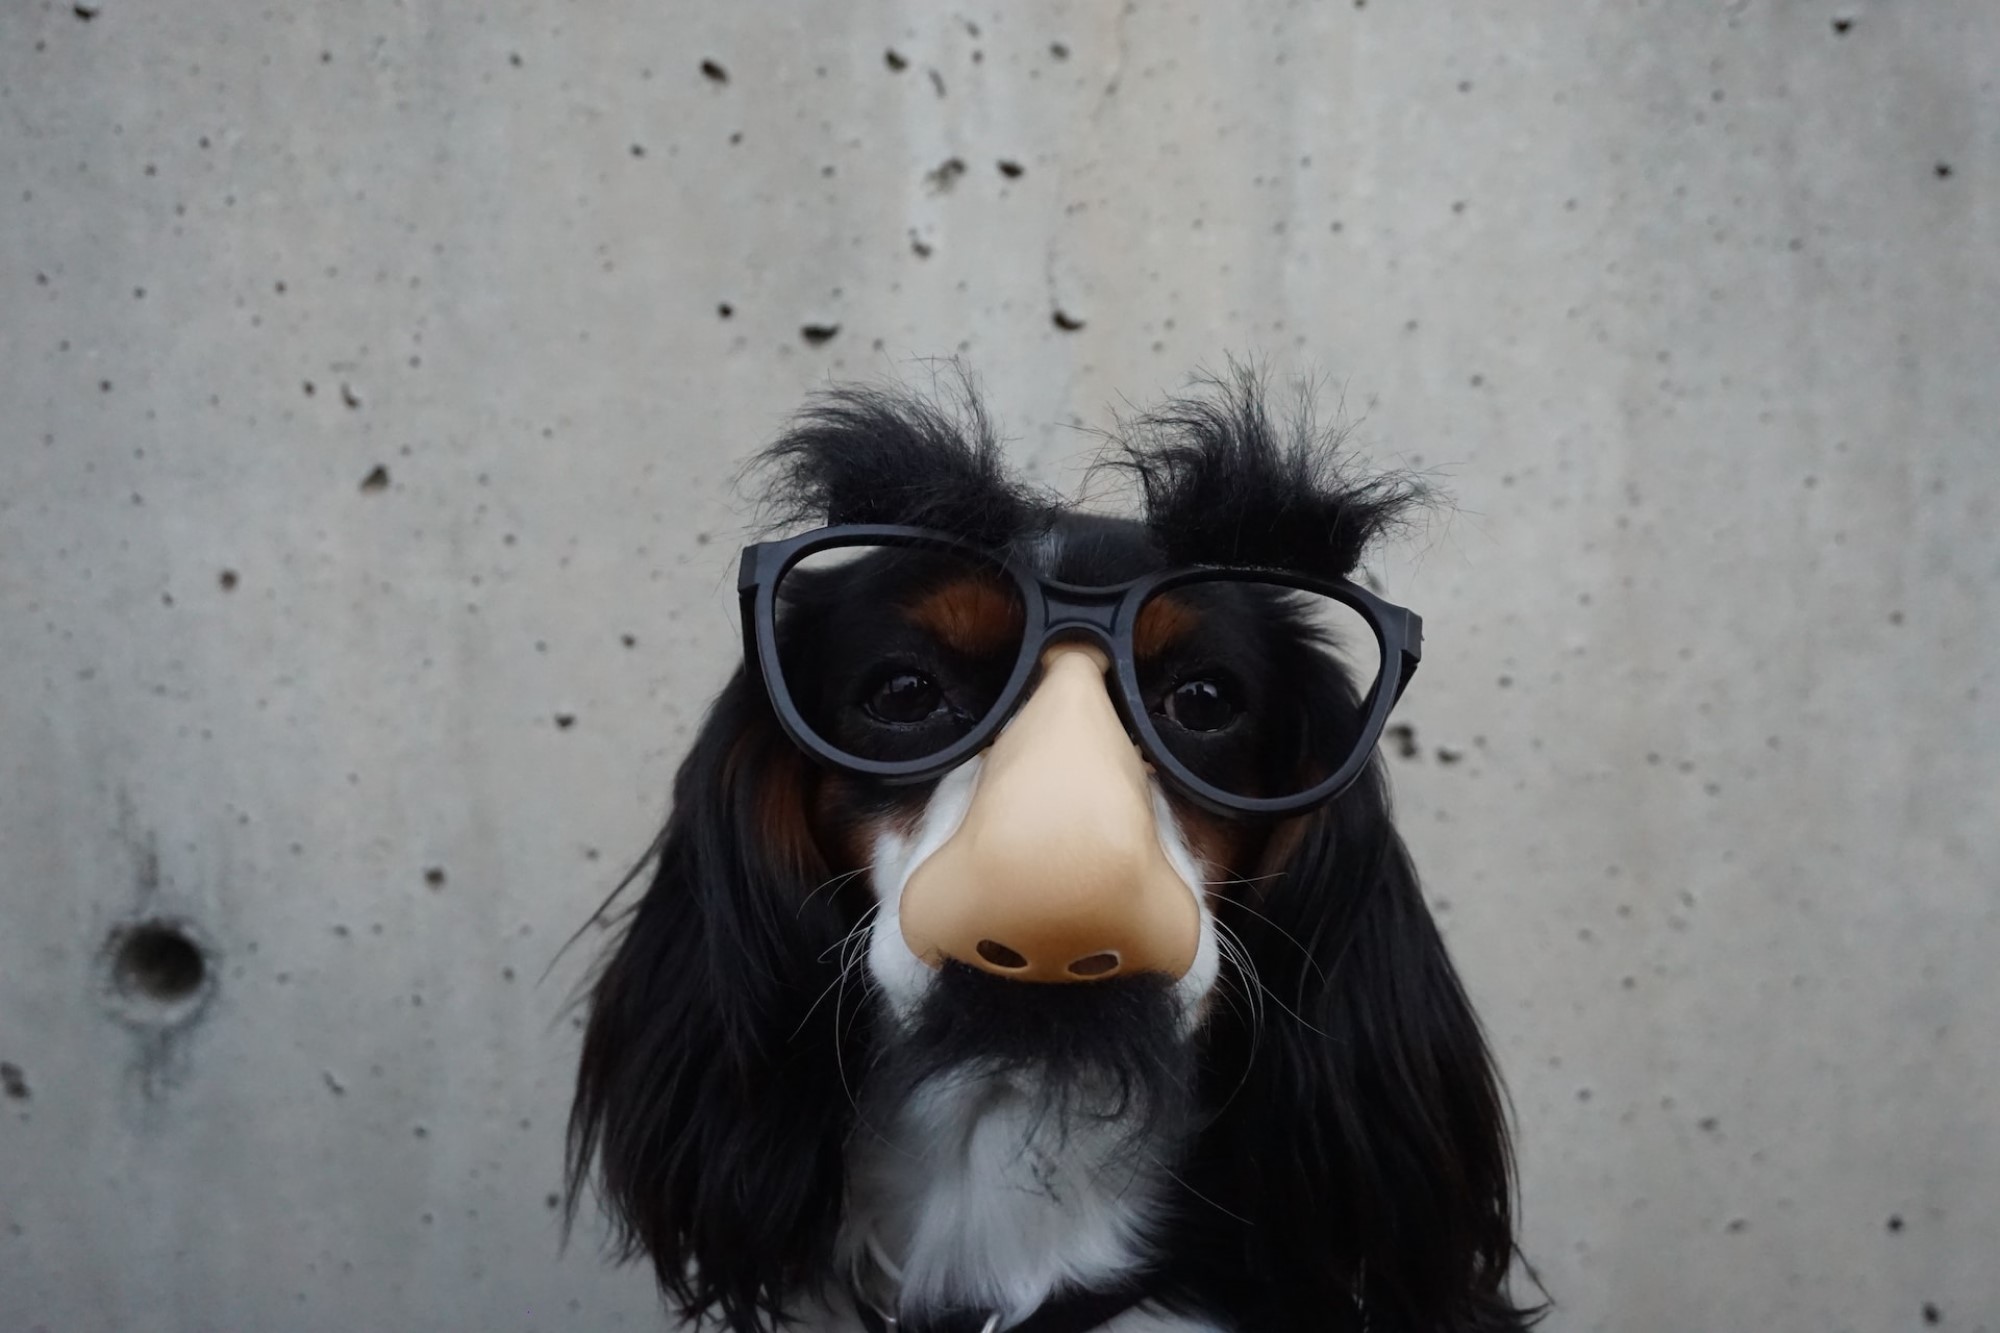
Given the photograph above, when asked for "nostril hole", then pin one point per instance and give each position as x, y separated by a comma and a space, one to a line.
1094, 965
998, 954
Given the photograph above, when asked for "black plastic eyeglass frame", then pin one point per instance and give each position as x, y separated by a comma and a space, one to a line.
1062, 610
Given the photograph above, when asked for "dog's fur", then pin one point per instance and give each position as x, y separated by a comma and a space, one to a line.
775, 1095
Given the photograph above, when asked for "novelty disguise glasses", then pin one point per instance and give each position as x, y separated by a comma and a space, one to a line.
1240, 718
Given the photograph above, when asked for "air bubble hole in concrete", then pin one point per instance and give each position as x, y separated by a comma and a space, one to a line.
155, 960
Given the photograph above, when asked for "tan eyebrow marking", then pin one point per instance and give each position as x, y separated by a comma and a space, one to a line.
973, 616
1162, 623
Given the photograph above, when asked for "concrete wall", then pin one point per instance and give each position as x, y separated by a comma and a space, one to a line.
371, 375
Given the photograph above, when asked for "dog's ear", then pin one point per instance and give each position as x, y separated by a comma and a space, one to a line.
708, 1105
1364, 1136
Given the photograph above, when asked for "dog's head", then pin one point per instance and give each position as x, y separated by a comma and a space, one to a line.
1075, 817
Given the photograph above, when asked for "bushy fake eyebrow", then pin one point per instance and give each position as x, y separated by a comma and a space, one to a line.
1227, 483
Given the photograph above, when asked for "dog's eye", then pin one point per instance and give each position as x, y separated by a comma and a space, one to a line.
903, 697
1200, 705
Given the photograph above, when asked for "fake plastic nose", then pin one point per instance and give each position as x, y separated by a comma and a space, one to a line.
1057, 872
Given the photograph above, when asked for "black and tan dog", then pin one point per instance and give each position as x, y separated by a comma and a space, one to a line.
1029, 945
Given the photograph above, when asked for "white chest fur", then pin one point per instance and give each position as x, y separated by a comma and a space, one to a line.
971, 1198
1144, 1319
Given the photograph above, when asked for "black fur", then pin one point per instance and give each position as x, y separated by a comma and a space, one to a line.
709, 1095
863, 455
1226, 485
1361, 1142
1348, 1130
1105, 1053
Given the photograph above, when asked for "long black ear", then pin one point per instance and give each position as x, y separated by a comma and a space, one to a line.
709, 1104
1364, 1137
1361, 1133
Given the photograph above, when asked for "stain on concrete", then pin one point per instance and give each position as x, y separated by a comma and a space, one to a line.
945, 175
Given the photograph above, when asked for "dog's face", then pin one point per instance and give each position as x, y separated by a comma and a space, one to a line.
1054, 855
1059, 833
1029, 917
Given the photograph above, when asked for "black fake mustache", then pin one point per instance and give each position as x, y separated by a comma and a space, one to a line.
1103, 1053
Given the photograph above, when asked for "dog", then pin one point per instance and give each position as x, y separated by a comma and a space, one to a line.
1029, 945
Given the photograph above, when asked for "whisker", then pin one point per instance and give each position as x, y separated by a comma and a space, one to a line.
1246, 973
1181, 1180
1290, 938
1243, 879
835, 882
847, 963
858, 934
1245, 969
840, 1043
848, 937
1297, 1017
1232, 994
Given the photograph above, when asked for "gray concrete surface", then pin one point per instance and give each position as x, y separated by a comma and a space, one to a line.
1694, 305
